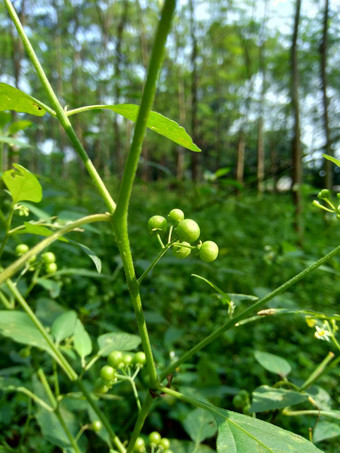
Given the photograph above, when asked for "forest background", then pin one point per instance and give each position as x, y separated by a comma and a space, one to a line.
257, 86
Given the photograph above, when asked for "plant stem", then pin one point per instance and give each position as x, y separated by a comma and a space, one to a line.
140, 422
154, 262
14, 267
57, 355
60, 112
6, 303
248, 311
7, 228
35, 398
318, 371
309, 412
120, 218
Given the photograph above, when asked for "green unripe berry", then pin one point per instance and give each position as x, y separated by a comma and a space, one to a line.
168, 451
241, 399
21, 249
188, 230
154, 438
175, 216
101, 388
180, 251
157, 224
324, 193
208, 251
96, 426
164, 443
48, 257
51, 268
127, 359
107, 373
139, 445
115, 359
139, 358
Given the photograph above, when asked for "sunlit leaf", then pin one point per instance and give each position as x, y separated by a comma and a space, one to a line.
266, 398
200, 425
64, 326
332, 159
22, 184
325, 430
82, 341
121, 341
273, 363
13, 99
14, 142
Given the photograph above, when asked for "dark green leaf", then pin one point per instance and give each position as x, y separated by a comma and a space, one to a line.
325, 430
81, 340
117, 341
273, 363
266, 398
13, 99
64, 326
22, 184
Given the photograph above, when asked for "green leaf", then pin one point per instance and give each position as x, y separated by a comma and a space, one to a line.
19, 327
64, 326
200, 425
239, 433
121, 341
325, 430
332, 159
273, 363
13, 99
37, 229
81, 340
22, 184
14, 142
90, 253
52, 286
266, 398
156, 122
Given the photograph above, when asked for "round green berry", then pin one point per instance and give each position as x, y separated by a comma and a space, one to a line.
127, 359
164, 443
188, 230
324, 193
175, 216
21, 249
241, 399
48, 257
139, 445
115, 359
96, 426
154, 438
157, 224
107, 373
101, 388
51, 268
208, 251
139, 358
181, 250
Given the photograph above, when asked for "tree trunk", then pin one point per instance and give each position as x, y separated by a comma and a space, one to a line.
194, 83
240, 158
296, 143
325, 100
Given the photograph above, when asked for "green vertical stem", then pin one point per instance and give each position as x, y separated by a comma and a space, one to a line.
120, 218
140, 422
60, 112
320, 369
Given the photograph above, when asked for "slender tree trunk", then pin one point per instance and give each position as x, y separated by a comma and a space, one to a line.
325, 100
296, 143
240, 158
194, 83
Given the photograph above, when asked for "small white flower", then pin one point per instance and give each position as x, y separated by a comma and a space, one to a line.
322, 333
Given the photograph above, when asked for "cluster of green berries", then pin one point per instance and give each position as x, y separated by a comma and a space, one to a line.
48, 259
325, 196
118, 360
186, 232
156, 442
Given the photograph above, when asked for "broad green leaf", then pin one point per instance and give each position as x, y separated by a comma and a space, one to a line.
22, 184
156, 122
18, 126
64, 326
13, 99
52, 286
239, 433
332, 159
14, 142
266, 398
273, 363
200, 425
121, 341
325, 430
81, 340
19, 327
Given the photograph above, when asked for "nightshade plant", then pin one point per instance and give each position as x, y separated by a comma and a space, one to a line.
237, 432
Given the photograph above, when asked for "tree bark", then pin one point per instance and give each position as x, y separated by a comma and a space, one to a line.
296, 143
194, 83
328, 166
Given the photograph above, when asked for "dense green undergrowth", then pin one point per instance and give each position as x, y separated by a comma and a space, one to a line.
258, 252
